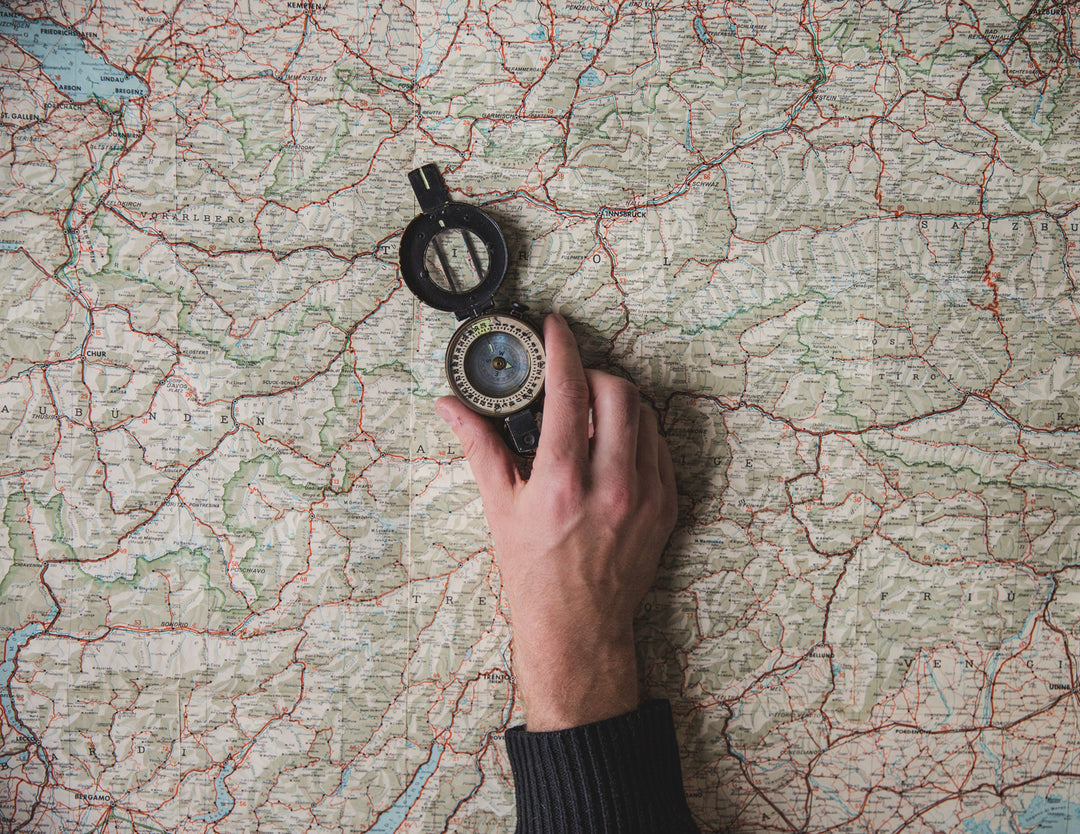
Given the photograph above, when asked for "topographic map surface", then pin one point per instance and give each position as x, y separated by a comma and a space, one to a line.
245, 581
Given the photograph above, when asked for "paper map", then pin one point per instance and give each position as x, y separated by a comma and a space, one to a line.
245, 579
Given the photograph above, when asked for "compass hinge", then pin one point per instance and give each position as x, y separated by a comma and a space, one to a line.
523, 431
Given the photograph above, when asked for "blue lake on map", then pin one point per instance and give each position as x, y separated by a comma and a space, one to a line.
15, 641
1043, 815
224, 799
63, 56
1050, 815
392, 818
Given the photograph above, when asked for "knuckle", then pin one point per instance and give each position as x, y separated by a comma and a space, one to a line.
560, 463
567, 494
624, 405
617, 389
619, 499
651, 510
627, 390
572, 393
658, 507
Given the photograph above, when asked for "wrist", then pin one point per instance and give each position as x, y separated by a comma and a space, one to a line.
576, 682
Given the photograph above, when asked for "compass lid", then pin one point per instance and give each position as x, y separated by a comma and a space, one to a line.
453, 256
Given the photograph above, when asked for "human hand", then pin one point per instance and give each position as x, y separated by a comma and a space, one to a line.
577, 543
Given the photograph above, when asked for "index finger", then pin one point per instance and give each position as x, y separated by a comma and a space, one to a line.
565, 432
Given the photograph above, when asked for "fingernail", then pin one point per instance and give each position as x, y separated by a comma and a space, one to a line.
442, 408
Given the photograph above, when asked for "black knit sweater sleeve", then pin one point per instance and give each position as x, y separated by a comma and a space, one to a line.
617, 775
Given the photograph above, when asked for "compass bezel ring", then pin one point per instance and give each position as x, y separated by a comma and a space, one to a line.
421, 233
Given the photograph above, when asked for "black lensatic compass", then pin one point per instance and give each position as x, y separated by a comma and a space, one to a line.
453, 258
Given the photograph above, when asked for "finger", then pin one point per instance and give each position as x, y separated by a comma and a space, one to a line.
667, 482
616, 414
489, 458
648, 443
565, 431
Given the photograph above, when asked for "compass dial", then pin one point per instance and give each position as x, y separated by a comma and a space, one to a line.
495, 364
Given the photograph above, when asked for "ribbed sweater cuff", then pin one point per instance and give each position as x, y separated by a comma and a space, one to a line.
617, 775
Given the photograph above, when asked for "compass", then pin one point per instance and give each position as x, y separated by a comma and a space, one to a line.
453, 258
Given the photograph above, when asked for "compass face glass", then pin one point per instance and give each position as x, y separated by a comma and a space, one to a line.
456, 260
495, 364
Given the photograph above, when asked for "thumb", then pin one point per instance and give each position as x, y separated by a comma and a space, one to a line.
489, 458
